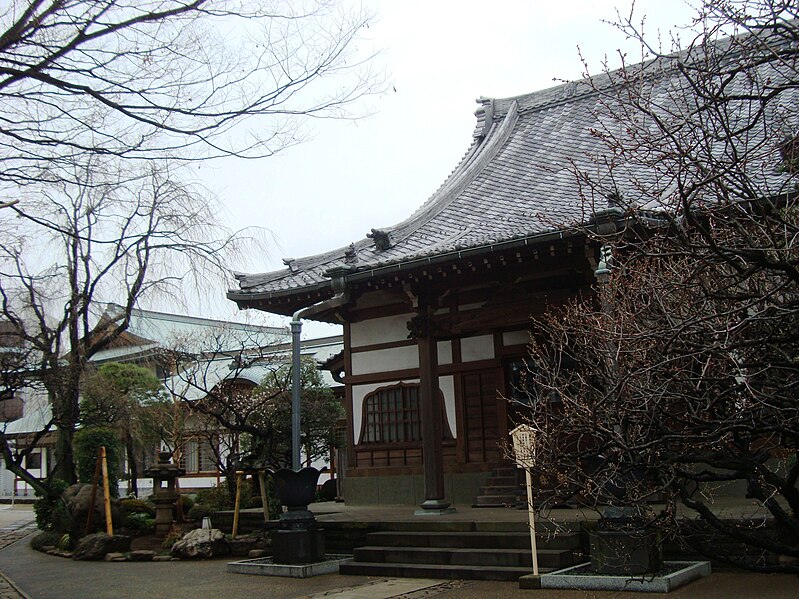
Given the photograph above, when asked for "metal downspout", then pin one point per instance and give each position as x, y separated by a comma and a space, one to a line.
296, 380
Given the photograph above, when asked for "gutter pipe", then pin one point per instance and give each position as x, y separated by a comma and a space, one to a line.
337, 300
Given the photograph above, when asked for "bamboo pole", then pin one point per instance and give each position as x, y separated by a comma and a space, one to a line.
109, 524
239, 477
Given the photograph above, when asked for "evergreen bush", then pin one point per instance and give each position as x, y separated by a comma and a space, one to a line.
86, 445
51, 512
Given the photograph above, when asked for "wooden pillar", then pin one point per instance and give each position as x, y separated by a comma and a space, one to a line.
432, 426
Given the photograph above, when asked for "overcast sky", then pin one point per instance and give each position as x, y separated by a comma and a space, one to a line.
439, 56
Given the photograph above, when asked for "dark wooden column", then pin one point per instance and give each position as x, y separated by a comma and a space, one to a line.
431, 410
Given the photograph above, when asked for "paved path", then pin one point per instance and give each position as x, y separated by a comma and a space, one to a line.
16, 523
41, 576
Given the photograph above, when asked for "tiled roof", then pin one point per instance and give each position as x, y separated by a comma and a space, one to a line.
516, 181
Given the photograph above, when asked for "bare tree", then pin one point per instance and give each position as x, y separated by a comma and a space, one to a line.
243, 388
680, 377
79, 246
102, 103
167, 78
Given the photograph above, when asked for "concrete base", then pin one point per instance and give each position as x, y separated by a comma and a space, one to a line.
565, 579
266, 567
530, 581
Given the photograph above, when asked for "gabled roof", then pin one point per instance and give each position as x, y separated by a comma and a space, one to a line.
516, 183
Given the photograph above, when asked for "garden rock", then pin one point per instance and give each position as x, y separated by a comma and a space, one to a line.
115, 557
201, 544
94, 547
78, 498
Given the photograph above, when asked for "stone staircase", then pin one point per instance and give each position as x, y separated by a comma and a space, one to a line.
480, 555
502, 489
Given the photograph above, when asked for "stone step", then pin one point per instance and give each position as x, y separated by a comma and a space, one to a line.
504, 471
501, 481
400, 570
496, 500
502, 490
547, 558
474, 540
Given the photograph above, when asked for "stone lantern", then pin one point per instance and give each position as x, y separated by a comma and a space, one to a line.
164, 475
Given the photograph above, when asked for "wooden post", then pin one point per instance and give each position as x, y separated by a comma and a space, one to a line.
531, 516
264, 497
239, 477
430, 412
179, 502
93, 498
109, 524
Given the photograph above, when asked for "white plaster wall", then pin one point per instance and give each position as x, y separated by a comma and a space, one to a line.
379, 330
444, 352
447, 386
385, 360
516, 338
477, 348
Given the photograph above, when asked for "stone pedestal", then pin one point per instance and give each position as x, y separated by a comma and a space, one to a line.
298, 541
626, 552
298, 546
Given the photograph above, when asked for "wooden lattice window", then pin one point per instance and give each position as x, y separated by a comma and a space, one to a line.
392, 415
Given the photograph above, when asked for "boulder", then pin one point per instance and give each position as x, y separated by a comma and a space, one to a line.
201, 544
94, 547
78, 498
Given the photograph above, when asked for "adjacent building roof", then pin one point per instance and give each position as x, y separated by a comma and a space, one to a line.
517, 182
150, 330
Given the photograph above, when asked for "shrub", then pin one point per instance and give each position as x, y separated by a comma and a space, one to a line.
187, 502
215, 498
51, 512
86, 444
138, 506
139, 522
198, 512
173, 536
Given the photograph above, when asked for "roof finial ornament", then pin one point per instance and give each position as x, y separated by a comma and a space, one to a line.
381, 239
291, 263
485, 117
351, 254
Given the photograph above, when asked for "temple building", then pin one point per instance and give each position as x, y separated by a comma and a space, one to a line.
437, 309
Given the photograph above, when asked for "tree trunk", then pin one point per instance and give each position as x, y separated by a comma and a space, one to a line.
65, 460
133, 469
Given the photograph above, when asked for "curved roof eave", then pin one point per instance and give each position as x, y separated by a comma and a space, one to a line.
477, 157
